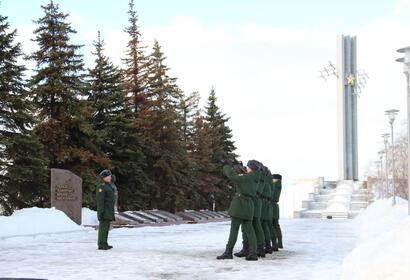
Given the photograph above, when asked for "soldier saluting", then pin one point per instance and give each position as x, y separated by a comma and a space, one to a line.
241, 210
105, 208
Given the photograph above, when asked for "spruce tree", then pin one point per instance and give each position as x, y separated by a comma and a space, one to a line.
112, 121
135, 73
167, 158
57, 89
207, 171
23, 166
187, 109
222, 147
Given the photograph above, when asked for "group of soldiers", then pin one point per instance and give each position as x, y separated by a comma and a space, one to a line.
255, 209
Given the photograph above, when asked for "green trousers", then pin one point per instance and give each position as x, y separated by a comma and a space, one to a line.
248, 229
103, 229
257, 227
268, 231
276, 228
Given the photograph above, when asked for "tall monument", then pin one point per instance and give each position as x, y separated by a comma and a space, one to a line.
347, 107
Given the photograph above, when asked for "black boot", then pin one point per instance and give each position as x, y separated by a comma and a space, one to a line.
226, 255
280, 244
274, 245
244, 252
252, 256
268, 248
261, 251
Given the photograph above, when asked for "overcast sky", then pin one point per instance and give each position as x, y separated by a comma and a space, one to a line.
262, 57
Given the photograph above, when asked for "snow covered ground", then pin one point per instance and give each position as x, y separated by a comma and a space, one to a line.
31, 221
383, 244
44, 243
314, 249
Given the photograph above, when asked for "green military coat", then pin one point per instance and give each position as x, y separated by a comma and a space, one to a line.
105, 202
242, 204
277, 189
267, 208
257, 201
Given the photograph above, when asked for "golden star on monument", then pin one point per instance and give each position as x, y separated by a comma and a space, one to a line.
350, 80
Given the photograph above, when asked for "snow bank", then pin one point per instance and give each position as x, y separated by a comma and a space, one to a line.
89, 217
383, 243
30, 221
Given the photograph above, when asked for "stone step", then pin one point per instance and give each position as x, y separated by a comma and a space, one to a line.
215, 215
330, 184
149, 216
306, 203
358, 205
323, 197
334, 200
311, 214
124, 220
224, 213
203, 215
317, 205
191, 216
170, 215
362, 191
297, 214
326, 191
160, 215
353, 214
335, 215
360, 196
132, 216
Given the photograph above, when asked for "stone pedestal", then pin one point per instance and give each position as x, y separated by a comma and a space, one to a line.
66, 193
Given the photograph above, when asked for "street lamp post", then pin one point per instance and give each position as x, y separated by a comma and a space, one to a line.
382, 181
406, 70
378, 164
392, 115
385, 137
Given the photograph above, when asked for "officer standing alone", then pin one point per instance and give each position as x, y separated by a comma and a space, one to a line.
105, 208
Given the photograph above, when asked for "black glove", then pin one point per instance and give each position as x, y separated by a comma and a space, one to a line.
237, 168
277, 176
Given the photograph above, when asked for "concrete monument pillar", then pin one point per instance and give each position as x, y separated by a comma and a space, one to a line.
347, 108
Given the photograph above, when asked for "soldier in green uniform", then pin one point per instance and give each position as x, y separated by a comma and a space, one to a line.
270, 222
267, 213
256, 222
277, 182
105, 208
241, 210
